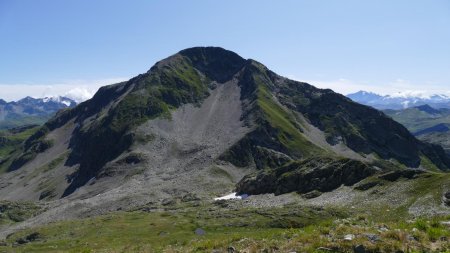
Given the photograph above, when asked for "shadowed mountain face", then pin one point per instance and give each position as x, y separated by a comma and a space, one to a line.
285, 121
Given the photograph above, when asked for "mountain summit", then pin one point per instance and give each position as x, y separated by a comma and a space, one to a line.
202, 113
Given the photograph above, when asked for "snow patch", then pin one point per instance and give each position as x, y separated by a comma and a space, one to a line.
232, 196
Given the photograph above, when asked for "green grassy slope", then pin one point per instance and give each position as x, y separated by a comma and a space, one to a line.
160, 231
11, 142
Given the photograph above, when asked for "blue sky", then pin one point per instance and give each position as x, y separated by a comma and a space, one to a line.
74, 46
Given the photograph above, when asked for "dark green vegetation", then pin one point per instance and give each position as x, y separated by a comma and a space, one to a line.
426, 123
11, 142
11, 212
35, 144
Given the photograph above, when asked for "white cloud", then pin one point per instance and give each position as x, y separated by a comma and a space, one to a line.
80, 94
342, 85
78, 90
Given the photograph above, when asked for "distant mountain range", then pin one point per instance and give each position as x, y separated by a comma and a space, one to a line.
29, 111
399, 101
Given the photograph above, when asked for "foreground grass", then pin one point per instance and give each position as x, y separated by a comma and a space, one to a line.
190, 225
209, 228
160, 231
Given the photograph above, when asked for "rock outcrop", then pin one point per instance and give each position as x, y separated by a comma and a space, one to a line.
314, 174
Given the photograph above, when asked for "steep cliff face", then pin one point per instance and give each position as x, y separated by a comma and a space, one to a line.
276, 119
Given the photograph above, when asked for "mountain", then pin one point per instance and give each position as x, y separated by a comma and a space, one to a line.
29, 111
400, 101
426, 123
206, 122
205, 105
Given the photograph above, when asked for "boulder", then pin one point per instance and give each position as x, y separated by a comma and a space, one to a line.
200, 231
446, 198
359, 249
373, 237
312, 194
231, 249
349, 237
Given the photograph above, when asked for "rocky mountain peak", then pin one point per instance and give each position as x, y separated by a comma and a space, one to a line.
284, 121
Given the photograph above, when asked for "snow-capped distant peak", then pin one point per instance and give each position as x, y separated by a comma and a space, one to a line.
50, 99
67, 103
401, 100
58, 99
